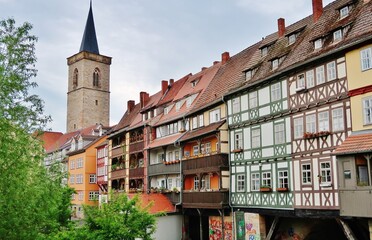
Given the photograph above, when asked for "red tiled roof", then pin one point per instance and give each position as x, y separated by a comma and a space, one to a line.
164, 140
160, 203
356, 143
173, 90
202, 131
49, 138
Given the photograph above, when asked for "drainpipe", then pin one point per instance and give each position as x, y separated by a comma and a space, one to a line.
200, 224
229, 157
222, 214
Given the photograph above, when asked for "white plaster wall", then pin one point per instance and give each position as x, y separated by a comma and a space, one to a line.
168, 228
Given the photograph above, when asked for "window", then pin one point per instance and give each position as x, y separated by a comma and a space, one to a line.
291, 39
318, 43
176, 155
344, 12
306, 173
300, 81
275, 92
255, 182
196, 183
92, 178
202, 149
161, 157
96, 78
367, 110
93, 195
366, 58
214, 116
72, 164
206, 182
201, 120
240, 183
196, 150
170, 183
73, 196
320, 75
195, 122
256, 138
331, 71
190, 100
253, 100
208, 147
238, 139
248, 75
337, 35
79, 178
275, 64
337, 119
72, 179
264, 51
310, 78
310, 123
283, 179
81, 195
325, 172
323, 121
179, 105
236, 105
298, 127
75, 79
79, 163
279, 133
266, 179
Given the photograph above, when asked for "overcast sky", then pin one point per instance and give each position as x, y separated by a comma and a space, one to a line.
148, 40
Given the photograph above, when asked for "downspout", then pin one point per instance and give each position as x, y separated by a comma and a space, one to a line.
177, 143
229, 157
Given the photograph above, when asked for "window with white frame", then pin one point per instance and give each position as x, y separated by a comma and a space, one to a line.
240, 182
320, 78
81, 195
178, 182
196, 183
325, 172
170, 183
190, 100
266, 179
366, 58
79, 163
236, 105
72, 179
291, 39
208, 148
274, 64
176, 155
248, 75
344, 12
253, 100
92, 178
331, 71
300, 81
275, 92
318, 43
298, 124
255, 182
256, 138
161, 157
306, 173
279, 134
73, 196
215, 115
238, 140
201, 120
206, 182
79, 178
72, 164
170, 156
337, 35
264, 51
310, 78
93, 195
196, 150
101, 171
310, 123
323, 121
283, 179
337, 119
367, 110
202, 148
194, 122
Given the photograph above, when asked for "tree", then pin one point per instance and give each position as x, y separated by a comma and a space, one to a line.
120, 218
31, 196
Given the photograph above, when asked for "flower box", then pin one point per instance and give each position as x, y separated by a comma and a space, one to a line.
265, 189
284, 189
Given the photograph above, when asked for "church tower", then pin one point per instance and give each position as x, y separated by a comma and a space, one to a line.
88, 94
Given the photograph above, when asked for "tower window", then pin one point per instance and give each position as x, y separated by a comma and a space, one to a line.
96, 102
75, 78
96, 78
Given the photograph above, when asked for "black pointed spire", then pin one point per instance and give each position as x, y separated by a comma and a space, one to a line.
89, 42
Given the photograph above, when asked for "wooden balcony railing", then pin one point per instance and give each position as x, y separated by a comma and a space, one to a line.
211, 200
116, 174
161, 168
173, 197
136, 172
136, 147
206, 163
117, 151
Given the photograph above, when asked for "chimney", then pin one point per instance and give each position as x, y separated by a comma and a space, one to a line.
317, 9
164, 86
171, 81
225, 57
144, 97
215, 62
281, 27
130, 106
203, 68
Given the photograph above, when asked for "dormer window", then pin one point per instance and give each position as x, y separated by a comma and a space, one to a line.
318, 43
344, 12
291, 39
264, 51
337, 35
275, 64
194, 83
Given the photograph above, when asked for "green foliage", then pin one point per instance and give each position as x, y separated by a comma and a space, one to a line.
33, 203
121, 218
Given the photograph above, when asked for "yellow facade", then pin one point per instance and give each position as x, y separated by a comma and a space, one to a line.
358, 79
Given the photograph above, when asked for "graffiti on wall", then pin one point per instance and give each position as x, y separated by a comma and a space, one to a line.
247, 226
215, 228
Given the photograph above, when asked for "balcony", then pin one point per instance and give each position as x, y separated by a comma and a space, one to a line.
161, 168
356, 202
118, 173
136, 173
206, 163
136, 147
173, 197
118, 151
211, 200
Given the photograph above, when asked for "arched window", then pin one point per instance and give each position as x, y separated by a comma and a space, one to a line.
96, 78
75, 78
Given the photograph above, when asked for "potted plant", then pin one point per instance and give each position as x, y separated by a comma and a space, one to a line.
175, 190
282, 189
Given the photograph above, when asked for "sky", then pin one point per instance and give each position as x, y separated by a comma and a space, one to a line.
148, 40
